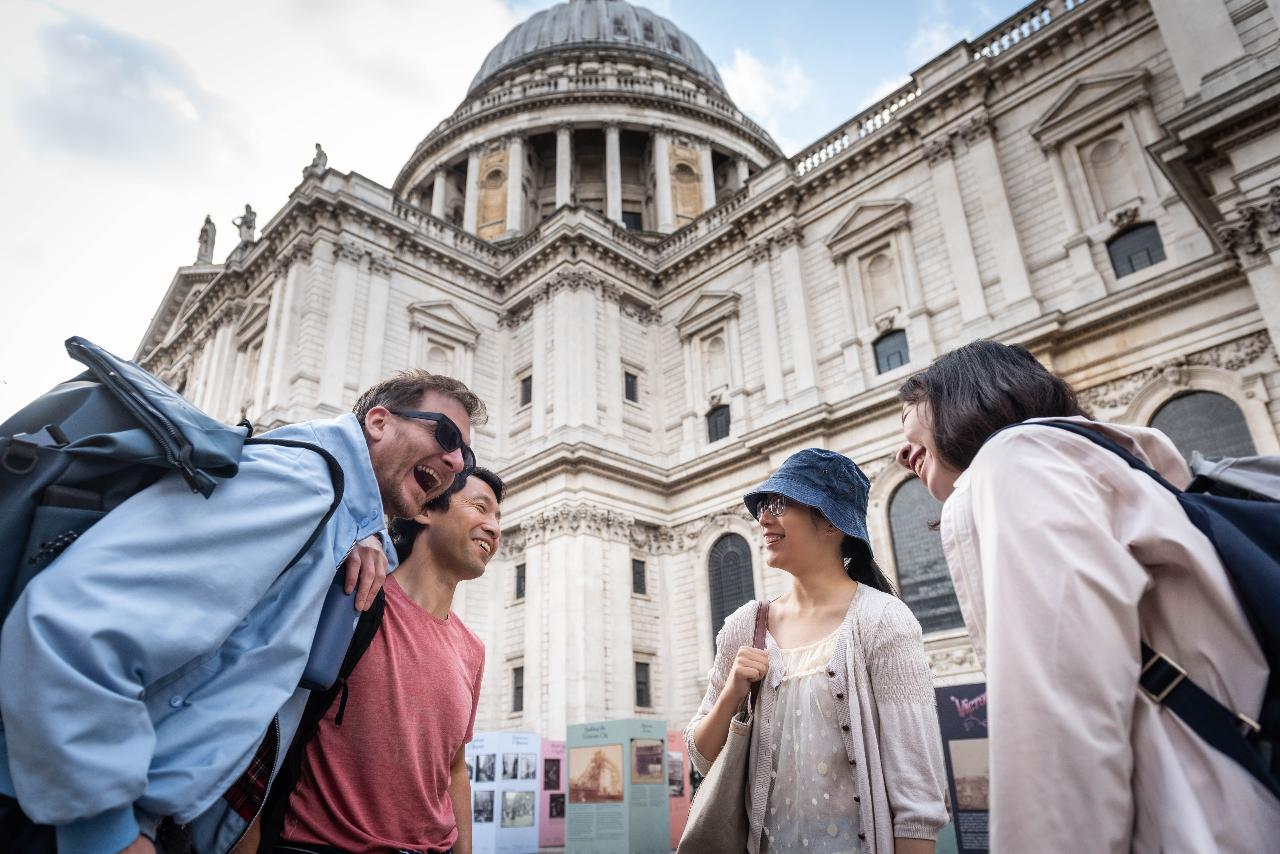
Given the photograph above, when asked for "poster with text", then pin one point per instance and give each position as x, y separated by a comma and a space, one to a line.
617, 779
962, 717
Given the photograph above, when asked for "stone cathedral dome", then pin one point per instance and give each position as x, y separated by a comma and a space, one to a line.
595, 25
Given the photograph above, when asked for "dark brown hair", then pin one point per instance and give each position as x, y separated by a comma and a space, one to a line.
980, 388
405, 388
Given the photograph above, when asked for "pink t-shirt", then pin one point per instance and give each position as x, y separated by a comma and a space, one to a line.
380, 781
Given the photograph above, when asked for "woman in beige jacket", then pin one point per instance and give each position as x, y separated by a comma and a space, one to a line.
1063, 559
845, 753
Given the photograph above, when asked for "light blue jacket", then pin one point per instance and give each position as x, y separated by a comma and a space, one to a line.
139, 671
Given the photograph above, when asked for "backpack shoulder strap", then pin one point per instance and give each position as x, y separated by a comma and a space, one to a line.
335, 476
271, 820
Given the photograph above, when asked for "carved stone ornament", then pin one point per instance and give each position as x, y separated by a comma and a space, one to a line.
381, 264
1256, 226
885, 321
349, 250
937, 150
976, 128
512, 544
576, 519
1175, 372
956, 659
513, 318
1125, 217
760, 252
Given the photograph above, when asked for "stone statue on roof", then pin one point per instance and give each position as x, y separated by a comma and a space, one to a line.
319, 164
247, 223
204, 251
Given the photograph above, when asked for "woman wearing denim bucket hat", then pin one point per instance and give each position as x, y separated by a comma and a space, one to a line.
845, 752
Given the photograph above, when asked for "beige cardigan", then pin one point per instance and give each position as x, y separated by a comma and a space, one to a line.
887, 711
1062, 556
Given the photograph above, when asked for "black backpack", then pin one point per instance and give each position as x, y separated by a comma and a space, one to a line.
76, 453
271, 819
1244, 527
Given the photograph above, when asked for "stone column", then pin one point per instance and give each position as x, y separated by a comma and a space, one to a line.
540, 366
564, 165
766, 322
707, 178
744, 171
471, 203
856, 311
439, 187
375, 321
620, 645
692, 397
793, 294
515, 184
612, 366
662, 181
347, 257
278, 394
1014, 281
922, 348
1200, 38
955, 232
261, 383
612, 173
1089, 283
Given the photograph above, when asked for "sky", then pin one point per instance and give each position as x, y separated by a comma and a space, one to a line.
123, 124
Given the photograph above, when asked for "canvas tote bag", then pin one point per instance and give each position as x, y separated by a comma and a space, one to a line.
719, 818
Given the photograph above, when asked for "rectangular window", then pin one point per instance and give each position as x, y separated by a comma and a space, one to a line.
519, 581
644, 699
517, 689
631, 386
637, 576
632, 220
526, 390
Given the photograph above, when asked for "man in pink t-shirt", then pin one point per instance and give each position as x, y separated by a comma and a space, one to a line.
392, 776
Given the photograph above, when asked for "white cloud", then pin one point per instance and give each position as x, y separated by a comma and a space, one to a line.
768, 92
122, 125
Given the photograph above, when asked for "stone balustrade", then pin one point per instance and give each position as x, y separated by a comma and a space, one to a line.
445, 233
1021, 26
864, 124
709, 223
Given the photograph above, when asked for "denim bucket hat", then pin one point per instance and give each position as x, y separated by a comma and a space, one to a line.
831, 482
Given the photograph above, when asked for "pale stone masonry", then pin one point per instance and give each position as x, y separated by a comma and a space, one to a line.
598, 222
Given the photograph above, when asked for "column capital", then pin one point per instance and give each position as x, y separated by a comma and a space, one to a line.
760, 251
516, 136
788, 234
937, 150
564, 128
612, 126
476, 149
976, 128
1255, 231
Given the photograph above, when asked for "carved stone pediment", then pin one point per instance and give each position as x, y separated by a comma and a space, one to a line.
868, 221
442, 318
1090, 100
709, 309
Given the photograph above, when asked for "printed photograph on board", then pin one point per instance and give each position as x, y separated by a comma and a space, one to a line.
551, 774
528, 766
595, 774
511, 766
648, 762
555, 809
969, 761
471, 767
485, 767
517, 809
482, 807
675, 773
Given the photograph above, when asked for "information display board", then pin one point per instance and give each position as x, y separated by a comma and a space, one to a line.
505, 782
553, 794
618, 789
962, 717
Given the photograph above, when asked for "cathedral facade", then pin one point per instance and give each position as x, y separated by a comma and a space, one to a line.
659, 306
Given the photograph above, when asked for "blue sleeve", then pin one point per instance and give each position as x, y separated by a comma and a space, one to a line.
161, 580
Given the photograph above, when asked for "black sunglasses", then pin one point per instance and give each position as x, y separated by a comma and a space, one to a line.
447, 436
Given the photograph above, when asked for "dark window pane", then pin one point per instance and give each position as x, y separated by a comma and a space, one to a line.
1205, 422
718, 423
637, 576
632, 220
729, 579
517, 689
922, 569
519, 581
526, 390
891, 351
631, 386
1136, 248
643, 697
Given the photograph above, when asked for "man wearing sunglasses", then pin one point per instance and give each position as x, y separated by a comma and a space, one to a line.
140, 671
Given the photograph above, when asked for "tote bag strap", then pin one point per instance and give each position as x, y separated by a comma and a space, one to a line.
757, 641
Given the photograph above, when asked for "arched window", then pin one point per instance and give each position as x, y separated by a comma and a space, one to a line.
923, 578
1135, 249
729, 583
891, 351
718, 423
1206, 422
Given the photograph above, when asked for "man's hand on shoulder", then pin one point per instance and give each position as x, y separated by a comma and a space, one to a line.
141, 845
366, 570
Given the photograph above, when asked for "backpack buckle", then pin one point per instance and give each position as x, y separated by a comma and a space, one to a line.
24, 448
1159, 676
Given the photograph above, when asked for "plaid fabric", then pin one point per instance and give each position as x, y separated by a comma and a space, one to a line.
249, 791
